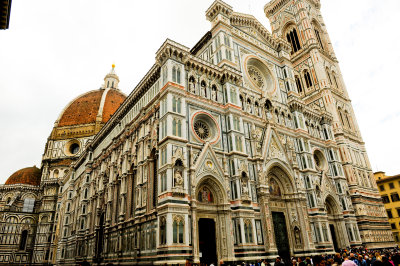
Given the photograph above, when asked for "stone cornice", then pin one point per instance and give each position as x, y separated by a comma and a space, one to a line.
239, 19
275, 5
218, 7
19, 187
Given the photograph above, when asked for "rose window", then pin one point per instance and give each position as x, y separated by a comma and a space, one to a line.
256, 76
205, 127
259, 75
202, 130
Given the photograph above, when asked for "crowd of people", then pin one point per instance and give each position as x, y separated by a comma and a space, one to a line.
354, 257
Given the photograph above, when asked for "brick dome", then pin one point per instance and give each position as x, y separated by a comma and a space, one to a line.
25, 176
88, 107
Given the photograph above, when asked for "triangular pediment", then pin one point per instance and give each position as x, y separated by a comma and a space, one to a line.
273, 148
250, 25
207, 164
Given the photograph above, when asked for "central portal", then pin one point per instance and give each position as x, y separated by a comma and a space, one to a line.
207, 241
281, 236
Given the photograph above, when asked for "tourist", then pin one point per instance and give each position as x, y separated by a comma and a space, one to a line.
348, 262
278, 262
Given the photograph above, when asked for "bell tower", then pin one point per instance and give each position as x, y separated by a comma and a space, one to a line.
320, 85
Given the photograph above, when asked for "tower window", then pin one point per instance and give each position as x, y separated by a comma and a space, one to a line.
293, 39
298, 83
329, 76
319, 38
307, 78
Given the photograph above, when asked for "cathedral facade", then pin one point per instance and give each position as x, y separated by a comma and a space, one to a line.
241, 148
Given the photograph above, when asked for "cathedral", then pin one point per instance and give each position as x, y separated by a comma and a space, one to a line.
243, 147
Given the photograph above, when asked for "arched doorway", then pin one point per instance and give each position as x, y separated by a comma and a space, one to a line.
286, 216
334, 218
211, 228
279, 217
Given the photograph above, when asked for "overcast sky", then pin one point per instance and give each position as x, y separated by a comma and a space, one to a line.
57, 50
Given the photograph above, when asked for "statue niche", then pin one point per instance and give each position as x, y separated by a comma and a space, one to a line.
245, 188
178, 176
192, 85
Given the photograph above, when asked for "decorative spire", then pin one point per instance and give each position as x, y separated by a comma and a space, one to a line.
111, 80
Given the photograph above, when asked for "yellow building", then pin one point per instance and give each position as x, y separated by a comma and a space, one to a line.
389, 188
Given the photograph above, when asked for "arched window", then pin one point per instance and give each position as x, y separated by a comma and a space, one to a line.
86, 193
176, 104
233, 96
55, 173
335, 80
307, 78
178, 75
298, 84
248, 231
268, 104
177, 229
348, 120
165, 74
108, 84
341, 116
22, 242
163, 231
174, 74
318, 38
112, 84
82, 224
293, 39
344, 204
177, 127
329, 76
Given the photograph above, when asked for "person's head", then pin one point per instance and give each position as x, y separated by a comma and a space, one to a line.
294, 261
352, 255
278, 259
299, 259
345, 257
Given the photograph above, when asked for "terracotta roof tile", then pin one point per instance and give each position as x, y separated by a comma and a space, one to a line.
85, 108
114, 99
27, 176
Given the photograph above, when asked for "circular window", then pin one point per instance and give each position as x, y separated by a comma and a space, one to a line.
74, 148
320, 161
202, 130
259, 75
205, 127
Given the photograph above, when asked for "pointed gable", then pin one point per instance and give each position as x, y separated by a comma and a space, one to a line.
274, 148
208, 164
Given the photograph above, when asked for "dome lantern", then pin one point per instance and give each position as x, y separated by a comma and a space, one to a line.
111, 80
